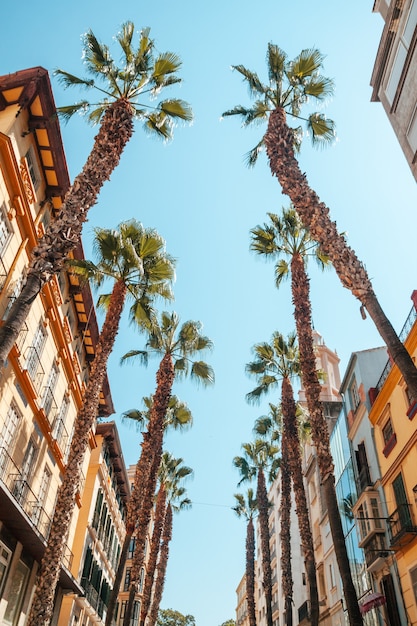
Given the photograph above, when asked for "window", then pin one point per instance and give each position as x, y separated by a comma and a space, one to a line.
5, 229
389, 436
141, 579
35, 351
331, 576
387, 431
48, 400
33, 167
5, 558
126, 585
401, 55
354, 394
15, 292
134, 620
59, 432
17, 591
131, 548
21, 486
8, 436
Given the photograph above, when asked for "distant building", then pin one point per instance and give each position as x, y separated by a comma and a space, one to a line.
44, 377
242, 615
394, 77
328, 582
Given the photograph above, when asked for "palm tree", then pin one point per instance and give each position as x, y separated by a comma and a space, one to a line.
285, 525
260, 457
122, 100
178, 416
274, 363
286, 237
247, 508
178, 346
172, 473
135, 258
291, 85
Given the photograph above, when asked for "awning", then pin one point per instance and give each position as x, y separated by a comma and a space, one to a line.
371, 601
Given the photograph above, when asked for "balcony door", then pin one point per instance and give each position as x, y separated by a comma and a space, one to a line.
400, 495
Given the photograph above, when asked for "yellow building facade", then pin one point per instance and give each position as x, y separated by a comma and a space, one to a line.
100, 531
44, 377
394, 417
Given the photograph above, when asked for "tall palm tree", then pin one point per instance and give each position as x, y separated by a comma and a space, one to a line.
259, 457
286, 239
291, 85
135, 258
178, 416
126, 94
285, 525
178, 347
274, 364
176, 500
247, 508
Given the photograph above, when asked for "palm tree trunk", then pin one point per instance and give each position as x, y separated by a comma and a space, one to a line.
111, 607
250, 572
289, 411
285, 524
319, 430
315, 216
263, 508
162, 567
42, 605
164, 381
143, 468
158, 526
63, 233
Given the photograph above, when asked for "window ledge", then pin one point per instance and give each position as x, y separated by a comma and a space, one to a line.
390, 445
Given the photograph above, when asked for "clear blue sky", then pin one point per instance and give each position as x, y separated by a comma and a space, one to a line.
199, 195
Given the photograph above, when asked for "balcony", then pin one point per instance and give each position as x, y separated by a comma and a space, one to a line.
49, 404
3, 274
93, 598
401, 528
34, 368
376, 552
61, 437
24, 514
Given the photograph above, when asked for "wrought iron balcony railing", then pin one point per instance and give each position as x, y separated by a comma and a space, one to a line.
34, 367
376, 548
19, 487
49, 404
93, 597
401, 527
61, 436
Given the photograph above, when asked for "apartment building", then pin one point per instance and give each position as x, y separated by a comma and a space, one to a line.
242, 615
100, 531
380, 594
394, 76
44, 377
393, 416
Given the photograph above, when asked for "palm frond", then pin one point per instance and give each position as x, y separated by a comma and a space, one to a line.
322, 129
141, 355
70, 80
66, 112
254, 83
176, 108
